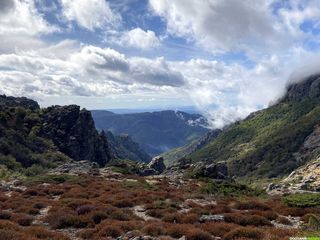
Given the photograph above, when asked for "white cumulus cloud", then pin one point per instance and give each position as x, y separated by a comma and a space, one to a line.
89, 14
138, 38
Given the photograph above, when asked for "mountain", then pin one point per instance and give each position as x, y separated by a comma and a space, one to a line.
175, 154
50, 136
274, 141
123, 147
156, 132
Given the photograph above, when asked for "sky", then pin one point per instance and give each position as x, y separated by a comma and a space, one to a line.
227, 58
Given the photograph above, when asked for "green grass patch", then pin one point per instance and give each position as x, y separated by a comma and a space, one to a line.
230, 189
47, 178
302, 200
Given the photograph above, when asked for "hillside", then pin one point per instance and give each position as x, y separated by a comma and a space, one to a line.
123, 147
156, 132
175, 154
270, 143
35, 138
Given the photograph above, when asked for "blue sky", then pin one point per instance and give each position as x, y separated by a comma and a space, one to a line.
227, 58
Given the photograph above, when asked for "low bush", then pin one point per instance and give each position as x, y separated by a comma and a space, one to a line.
23, 219
5, 215
84, 209
154, 229
313, 221
218, 229
251, 205
110, 231
245, 220
302, 200
197, 234
245, 233
177, 230
280, 233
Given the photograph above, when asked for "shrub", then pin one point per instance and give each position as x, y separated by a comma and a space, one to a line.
177, 230
172, 218
188, 218
154, 229
245, 233
84, 209
280, 233
5, 215
33, 211
98, 216
197, 234
110, 231
244, 220
270, 215
123, 203
23, 220
73, 221
42, 233
86, 234
251, 205
313, 222
302, 200
217, 228
39, 205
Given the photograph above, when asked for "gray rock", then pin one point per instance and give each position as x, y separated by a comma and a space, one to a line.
210, 218
157, 164
147, 172
77, 167
215, 170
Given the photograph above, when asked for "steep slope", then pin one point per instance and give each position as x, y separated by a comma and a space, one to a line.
175, 154
267, 142
156, 132
123, 147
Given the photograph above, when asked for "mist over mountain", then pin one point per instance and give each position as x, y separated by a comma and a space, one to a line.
271, 142
156, 132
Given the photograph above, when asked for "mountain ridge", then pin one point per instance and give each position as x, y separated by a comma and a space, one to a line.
265, 143
156, 132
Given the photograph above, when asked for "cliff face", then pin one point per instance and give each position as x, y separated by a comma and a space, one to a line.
33, 136
72, 130
307, 88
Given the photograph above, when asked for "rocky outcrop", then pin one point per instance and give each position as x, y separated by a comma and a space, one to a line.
6, 101
307, 177
72, 130
157, 164
307, 88
213, 171
304, 179
77, 168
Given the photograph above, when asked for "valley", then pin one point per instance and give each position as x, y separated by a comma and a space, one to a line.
258, 178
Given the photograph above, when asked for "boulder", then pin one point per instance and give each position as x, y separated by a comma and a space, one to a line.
211, 218
214, 170
147, 172
157, 164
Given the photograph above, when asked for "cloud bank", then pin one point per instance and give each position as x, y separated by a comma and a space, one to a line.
244, 51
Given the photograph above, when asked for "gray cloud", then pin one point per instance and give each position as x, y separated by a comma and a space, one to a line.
6, 6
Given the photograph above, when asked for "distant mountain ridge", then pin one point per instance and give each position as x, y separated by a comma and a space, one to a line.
271, 142
156, 132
